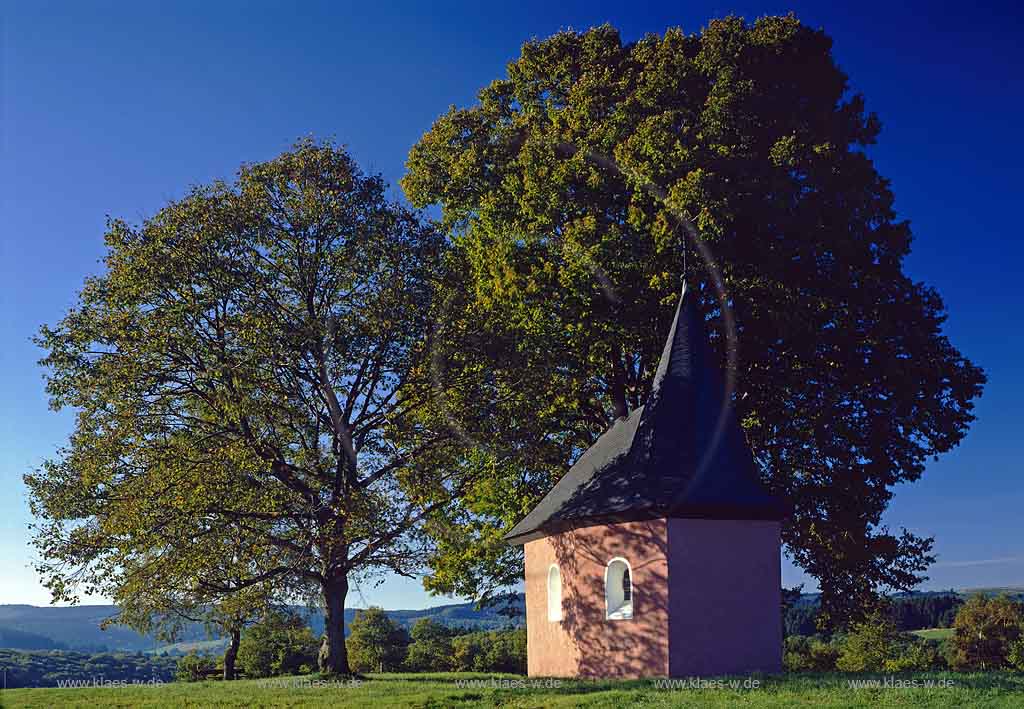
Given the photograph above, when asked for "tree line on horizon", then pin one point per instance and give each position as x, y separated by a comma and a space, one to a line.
291, 383
986, 634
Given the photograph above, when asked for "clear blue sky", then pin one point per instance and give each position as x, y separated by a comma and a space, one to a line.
113, 108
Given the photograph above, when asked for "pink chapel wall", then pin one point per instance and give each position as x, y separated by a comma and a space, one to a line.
706, 600
585, 643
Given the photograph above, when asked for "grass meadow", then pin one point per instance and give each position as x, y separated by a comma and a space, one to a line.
440, 691
934, 633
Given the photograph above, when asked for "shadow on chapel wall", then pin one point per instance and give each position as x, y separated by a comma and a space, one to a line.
616, 648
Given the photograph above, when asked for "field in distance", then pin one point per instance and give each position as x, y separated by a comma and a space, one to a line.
434, 691
934, 633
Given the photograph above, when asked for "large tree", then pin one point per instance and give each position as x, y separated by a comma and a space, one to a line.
251, 359
569, 189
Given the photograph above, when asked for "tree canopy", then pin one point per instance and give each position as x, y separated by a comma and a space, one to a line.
375, 643
567, 190
249, 367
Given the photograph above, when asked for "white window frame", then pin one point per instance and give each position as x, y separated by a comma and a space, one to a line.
554, 595
623, 610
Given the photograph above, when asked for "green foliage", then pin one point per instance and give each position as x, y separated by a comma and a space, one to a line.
1015, 657
926, 610
194, 668
916, 656
279, 644
505, 651
248, 375
872, 646
431, 647
988, 633
809, 654
869, 645
468, 652
495, 651
564, 189
46, 669
375, 643
876, 645
800, 619
919, 611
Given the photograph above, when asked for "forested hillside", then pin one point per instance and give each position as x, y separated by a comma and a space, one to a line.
54, 668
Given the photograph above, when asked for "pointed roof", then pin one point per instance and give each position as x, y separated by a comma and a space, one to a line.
682, 454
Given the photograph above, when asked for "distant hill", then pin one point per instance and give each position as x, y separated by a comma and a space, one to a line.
73, 628
20, 640
25, 627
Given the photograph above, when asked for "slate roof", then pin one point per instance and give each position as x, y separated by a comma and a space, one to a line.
682, 454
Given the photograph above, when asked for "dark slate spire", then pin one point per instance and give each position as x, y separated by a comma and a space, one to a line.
683, 454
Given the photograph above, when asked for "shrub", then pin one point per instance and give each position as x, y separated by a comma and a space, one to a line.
809, 654
280, 644
915, 655
869, 645
194, 668
795, 651
987, 631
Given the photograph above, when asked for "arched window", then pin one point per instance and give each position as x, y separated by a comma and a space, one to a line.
618, 590
554, 594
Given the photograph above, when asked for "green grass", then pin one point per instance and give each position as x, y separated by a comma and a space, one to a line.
440, 691
934, 633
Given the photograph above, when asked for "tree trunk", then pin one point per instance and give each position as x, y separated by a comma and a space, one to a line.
617, 389
333, 657
231, 653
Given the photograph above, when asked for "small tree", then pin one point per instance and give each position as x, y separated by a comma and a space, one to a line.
375, 643
280, 644
986, 633
431, 647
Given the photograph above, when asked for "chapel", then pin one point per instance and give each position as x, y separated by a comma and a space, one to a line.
658, 553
